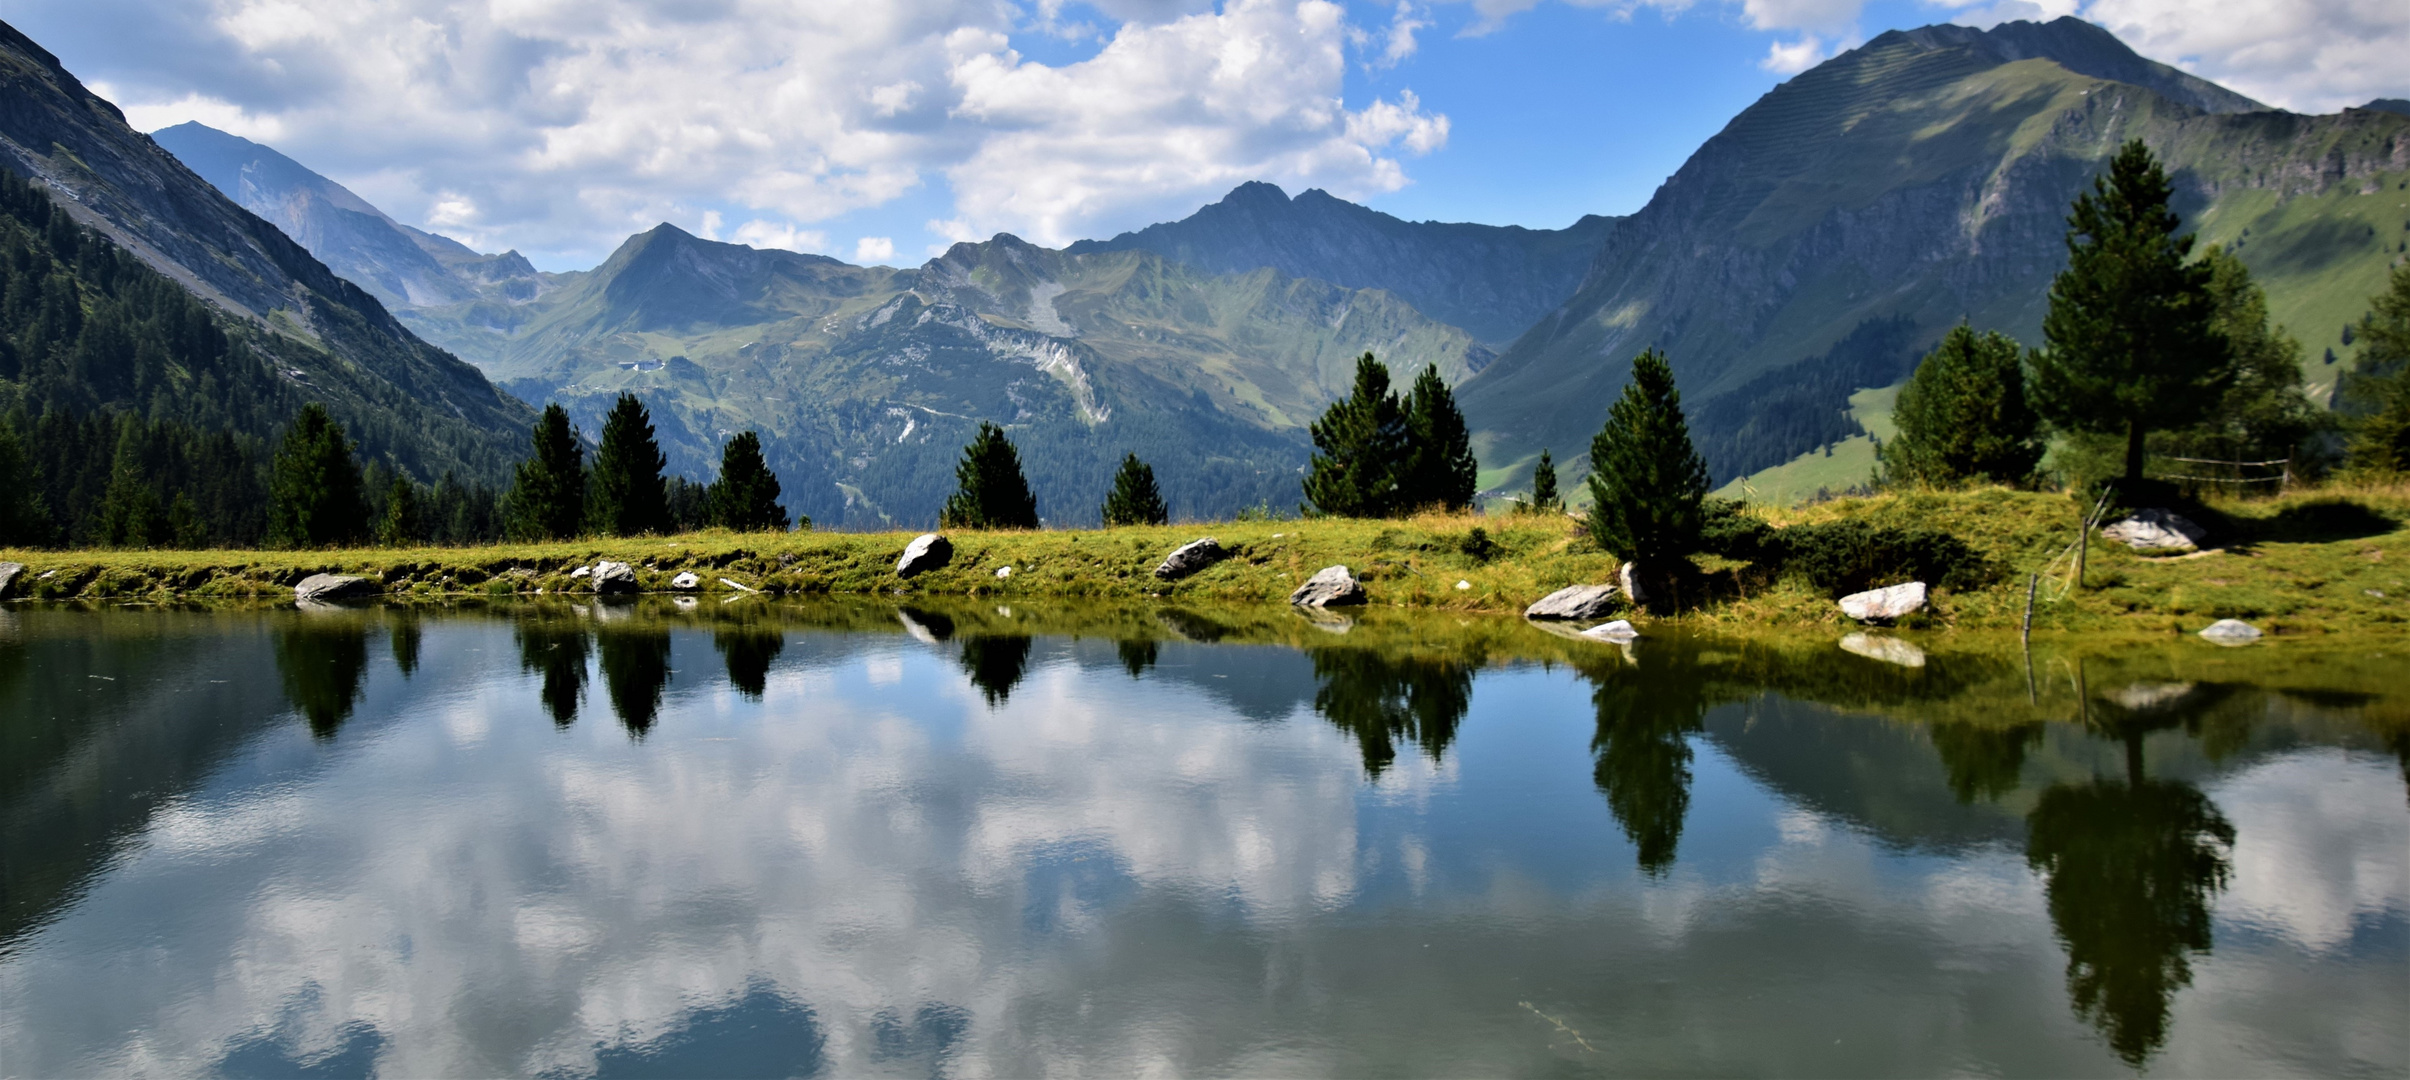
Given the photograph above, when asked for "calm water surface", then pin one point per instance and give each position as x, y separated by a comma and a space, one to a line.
848, 840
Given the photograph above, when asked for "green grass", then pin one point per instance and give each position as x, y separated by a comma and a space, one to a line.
2308, 562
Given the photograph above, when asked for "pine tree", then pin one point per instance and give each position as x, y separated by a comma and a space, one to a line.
1963, 415
2130, 341
130, 513
1134, 499
1439, 468
1358, 444
626, 495
1543, 485
2264, 415
1646, 480
990, 491
314, 497
403, 522
548, 499
746, 496
24, 519
2378, 388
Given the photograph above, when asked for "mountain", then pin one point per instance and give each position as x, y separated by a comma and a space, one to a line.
1492, 280
400, 266
865, 382
277, 328
1828, 235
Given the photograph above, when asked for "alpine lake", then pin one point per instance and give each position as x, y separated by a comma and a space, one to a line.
854, 838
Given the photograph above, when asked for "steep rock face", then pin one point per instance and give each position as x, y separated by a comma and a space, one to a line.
1839, 225
401, 266
1492, 280
324, 337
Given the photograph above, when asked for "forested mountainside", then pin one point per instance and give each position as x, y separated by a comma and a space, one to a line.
156, 297
1826, 238
1492, 280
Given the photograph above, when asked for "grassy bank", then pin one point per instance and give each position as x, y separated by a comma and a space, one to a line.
2322, 561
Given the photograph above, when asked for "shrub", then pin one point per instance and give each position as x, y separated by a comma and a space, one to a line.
1844, 557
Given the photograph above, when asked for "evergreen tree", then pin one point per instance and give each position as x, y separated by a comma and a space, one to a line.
1439, 468
548, 498
1134, 499
314, 497
1963, 415
1358, 444
402, 523
2378, 389
2131, 344
1543, 485
2264, 415
1646, 480
746, 497
626, 496
24, 520
131, 515
990, 492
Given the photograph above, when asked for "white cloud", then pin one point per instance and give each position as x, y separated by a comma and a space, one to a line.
761, 233
874, 250
1798, 56
2305, 55
555, 126
1397, 43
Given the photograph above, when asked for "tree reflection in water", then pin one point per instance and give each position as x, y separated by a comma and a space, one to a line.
1648, 707
558, 649
995, 664
323, 659
405, 637
1381, 699
1983, 761
748, 651
635, 670
2133, 867
1137, 656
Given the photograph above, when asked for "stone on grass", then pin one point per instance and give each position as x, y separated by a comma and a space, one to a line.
686, 581
1889, 650
9, 573
1004, 571
926, 552
738, 585
1619, 630
581, 571
1191, 557
322, 588
1574, 602
1462, 585
1628, 575
1332, 586
2231, 632
1884, 605
2156, 530
614, 578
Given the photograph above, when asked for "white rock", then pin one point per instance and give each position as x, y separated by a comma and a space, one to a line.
686, 580
1628, 575
614, 577
324, 587
1004, 571
1582, 602
1462, 585
1889, 650
1619, 630
1884, 605
2156, 530
581, 571
1331, 586
926, 552
738, 585
1191, 557
9, 572
2231, 632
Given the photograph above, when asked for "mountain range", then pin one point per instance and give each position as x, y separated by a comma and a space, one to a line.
1806, 254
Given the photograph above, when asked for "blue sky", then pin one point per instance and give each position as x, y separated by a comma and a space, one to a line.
881, 132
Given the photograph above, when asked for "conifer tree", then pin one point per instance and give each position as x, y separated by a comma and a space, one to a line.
1439, 468
314, 497
548, 498
1358, 444
1543, 485
1646, 480
403, 522
2130, 344
2379, 386
24, 518
1963, 415
130, 513
1134, 499
626, 495
990, 491
2264, 413
745, 498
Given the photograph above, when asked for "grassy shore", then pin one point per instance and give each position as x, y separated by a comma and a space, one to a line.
2328, 560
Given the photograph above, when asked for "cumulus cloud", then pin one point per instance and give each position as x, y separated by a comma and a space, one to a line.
1793, 58
560, 126
874, 250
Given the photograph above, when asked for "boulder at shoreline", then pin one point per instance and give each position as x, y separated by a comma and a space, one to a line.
926, 552
325, 588
1574, 602
1331, 587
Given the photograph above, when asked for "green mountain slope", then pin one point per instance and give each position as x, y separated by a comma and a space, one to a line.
1827, 236
292, 331
866, 381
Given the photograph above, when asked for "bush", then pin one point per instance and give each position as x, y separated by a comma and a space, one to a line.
1844, 557
1726, 528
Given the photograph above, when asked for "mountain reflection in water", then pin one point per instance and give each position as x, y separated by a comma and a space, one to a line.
844, 838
